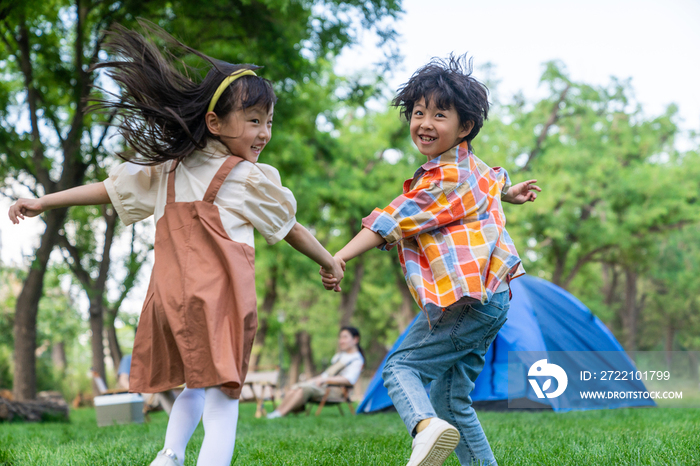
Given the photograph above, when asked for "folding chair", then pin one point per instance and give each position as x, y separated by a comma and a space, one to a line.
334, 399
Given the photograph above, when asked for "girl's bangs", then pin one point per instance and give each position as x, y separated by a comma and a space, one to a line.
254, 92
260, 94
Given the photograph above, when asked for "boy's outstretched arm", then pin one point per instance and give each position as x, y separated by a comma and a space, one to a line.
303, 241
89, 194
365, 240
522, 192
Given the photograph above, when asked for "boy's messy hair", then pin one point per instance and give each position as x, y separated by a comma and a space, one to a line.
447, 83
161, 106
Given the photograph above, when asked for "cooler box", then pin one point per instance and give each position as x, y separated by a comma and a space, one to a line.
124, 408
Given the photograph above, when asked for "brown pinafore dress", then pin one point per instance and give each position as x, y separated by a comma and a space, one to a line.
200, 315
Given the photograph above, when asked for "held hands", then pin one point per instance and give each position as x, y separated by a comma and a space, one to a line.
25, 208
522, 192
331, 277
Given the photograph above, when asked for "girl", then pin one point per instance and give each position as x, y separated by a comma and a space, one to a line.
198, 144
345, 369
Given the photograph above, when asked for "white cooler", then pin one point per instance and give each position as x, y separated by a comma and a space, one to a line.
123, 408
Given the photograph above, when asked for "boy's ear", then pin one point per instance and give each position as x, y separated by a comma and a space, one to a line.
466, 129
213, 123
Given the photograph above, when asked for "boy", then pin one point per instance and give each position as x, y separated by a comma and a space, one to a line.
456, 256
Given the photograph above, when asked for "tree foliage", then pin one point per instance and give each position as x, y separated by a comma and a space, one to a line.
614, 224
611, 192
49, 48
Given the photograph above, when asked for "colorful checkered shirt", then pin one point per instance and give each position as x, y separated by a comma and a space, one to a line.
449, 226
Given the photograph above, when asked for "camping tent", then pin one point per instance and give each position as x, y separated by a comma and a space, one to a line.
544, 322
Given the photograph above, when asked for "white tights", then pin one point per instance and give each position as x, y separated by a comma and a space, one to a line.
220, 416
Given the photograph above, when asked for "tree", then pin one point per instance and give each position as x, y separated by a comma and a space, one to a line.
58, 328
94, 287
674, 311
91, 264
610, 179
50, 47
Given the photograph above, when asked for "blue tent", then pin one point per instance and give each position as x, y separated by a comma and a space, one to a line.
544, 322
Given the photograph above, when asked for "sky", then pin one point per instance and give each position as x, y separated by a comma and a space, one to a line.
656, 44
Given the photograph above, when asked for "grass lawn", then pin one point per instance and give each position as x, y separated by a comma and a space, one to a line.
653, 436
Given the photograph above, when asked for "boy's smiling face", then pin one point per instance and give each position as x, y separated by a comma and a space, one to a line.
434, 130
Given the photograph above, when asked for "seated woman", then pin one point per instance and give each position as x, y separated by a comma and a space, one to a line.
345, 369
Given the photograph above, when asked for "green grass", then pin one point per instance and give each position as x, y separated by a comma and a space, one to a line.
612, 437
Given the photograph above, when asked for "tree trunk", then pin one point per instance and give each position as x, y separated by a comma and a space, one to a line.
307, 357
559, 265
670, 333
348, 301
95, 289
630, 313
693, 362
375, 354
115, 351
97, 344
610, 276
33, 411
58, 356
26, 308
263, 318
294, 364
553, 117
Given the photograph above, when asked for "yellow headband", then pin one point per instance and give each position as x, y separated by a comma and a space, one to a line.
225, 83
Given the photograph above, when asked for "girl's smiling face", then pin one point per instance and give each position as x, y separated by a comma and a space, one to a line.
434, 130
245, 131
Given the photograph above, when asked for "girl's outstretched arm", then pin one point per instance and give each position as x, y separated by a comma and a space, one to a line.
89, 194
304, 242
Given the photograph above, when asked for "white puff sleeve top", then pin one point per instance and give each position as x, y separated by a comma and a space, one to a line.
251, 197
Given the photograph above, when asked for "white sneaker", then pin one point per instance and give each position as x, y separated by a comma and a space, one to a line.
166, 457
274, 415
434, 444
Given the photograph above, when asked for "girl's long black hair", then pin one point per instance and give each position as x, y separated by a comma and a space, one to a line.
161, 109
355, 334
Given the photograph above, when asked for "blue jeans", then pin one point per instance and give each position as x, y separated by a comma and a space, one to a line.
450, 354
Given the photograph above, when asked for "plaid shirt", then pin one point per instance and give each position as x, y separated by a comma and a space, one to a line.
449, 226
